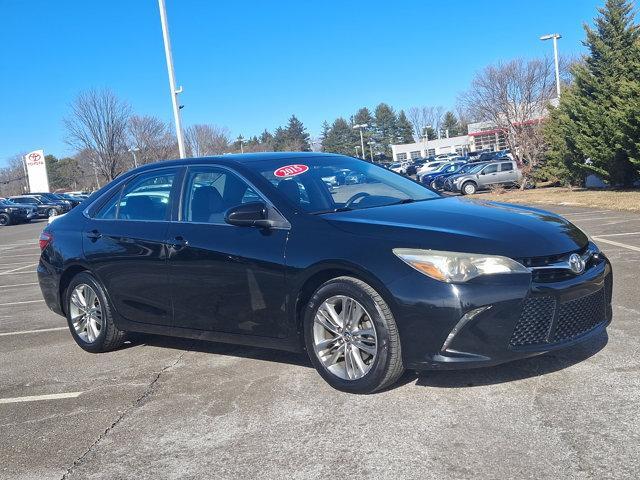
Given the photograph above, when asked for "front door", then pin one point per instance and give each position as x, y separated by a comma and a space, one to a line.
225, 278
124, 243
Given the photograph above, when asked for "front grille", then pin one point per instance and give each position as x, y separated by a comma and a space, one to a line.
536, 325
535, 321
579, 316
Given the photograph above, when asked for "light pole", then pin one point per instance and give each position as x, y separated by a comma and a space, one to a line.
240, 140
135, 160
426, 140
554, 37
361, 127
357, 150
172, 80
371, 149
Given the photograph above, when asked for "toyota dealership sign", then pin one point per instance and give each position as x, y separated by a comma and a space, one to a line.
37, 171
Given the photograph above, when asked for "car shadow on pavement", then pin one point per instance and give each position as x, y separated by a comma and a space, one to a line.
192, 345
509, 372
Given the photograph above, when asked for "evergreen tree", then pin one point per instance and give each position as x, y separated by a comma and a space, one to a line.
339, 138
450, 123
326, 128
279, 140
404, 128
386, 128
596, 129
297, 138
363, 116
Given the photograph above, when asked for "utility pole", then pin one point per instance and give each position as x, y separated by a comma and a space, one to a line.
172, 80
371, 150
555, 37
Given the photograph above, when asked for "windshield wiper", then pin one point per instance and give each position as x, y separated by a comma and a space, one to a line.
333, 210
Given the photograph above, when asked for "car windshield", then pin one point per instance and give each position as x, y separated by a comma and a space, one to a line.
306, 184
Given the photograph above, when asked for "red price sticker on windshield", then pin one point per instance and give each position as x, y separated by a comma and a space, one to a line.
290, 171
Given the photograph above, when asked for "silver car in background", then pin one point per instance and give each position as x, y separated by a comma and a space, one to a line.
498, 173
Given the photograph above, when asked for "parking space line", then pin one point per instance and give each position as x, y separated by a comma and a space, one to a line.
32, 272
2, 265
20, 303
19, 244
26, 332
35, 398
619, 234
600, 218
617, 244
19, 285
36, 255
18, 268
586, 213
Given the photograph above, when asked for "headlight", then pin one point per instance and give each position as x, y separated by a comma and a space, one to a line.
453, 267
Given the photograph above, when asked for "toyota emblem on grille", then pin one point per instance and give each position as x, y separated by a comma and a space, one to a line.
576, 263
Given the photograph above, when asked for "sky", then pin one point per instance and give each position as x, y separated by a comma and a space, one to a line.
249, 65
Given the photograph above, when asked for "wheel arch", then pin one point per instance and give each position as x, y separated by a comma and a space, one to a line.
65, 279
324, 272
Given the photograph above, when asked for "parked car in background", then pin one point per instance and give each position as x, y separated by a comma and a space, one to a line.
439, 182
415, 165
400, 167
75, 201
494, 173
54, 198
448, 167
429, 167
44, 208
11, 213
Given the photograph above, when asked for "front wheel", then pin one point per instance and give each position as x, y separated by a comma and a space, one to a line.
52, 212
351, 336
4, 220
89, 315
433, 185
469, 188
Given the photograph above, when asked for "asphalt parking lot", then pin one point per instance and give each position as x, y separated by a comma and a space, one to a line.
171, 408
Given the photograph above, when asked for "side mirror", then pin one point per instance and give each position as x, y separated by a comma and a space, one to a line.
252, 214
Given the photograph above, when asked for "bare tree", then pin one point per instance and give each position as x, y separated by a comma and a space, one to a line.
152, 139
424, 117
12, 177
205, 140
514, 97
98, 123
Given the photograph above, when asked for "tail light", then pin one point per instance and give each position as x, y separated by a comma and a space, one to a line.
45, 240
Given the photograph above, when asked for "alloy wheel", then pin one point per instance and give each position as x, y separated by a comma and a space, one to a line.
86, 312
52, 212
344, 337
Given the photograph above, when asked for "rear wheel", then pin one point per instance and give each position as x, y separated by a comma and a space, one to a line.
52, 212
433, 185
351, 336
89, 315
4, 220
469, 188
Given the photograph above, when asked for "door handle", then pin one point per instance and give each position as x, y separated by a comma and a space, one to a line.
94, 234
178, 243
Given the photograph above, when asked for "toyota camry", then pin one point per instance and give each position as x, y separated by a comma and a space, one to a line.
369, 278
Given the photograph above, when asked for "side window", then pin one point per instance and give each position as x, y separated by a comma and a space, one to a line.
146, 197
109, 209
490, 169
506, 167
210, 192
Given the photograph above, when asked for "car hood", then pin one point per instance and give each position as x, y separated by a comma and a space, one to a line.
465, 225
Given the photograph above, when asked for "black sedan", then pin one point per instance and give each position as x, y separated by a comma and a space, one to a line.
369, 278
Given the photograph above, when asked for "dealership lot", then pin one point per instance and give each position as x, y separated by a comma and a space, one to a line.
172, 408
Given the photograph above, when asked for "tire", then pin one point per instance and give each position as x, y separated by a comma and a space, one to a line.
52, 212
433, 185
110, 336
384, 368
5, 220
469, 188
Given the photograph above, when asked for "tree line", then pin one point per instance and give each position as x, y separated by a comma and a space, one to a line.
594, 127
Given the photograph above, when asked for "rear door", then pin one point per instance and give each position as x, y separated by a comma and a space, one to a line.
125, 245
508, 173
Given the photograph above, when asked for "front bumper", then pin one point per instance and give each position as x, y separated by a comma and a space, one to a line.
517, 318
